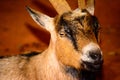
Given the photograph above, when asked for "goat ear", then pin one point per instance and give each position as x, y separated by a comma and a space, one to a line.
40, 18
88, 5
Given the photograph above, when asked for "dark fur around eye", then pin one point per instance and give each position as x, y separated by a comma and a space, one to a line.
95, 26
68, 29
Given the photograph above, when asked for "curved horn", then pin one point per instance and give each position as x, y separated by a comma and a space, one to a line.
81, 4
60, 6
90, 6
87, 4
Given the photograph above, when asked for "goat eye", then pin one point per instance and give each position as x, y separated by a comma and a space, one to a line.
62, 33
96, 25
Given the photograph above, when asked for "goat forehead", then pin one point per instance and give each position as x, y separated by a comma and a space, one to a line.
76, 22
74, 26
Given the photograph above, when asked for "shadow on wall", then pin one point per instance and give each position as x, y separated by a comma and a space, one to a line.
45, 7
40, 34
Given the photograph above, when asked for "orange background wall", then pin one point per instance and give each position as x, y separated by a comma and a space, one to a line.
19, 33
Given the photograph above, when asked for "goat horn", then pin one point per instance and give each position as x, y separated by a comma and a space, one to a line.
81, 4
60, 6
87, 4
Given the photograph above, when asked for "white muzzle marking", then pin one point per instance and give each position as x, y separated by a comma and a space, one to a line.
91, 48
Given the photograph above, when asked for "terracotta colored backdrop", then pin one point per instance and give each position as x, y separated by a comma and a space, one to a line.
19, 33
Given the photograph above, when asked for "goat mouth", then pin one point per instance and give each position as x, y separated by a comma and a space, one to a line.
92, 66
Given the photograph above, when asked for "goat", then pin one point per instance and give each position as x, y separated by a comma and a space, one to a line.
73, 52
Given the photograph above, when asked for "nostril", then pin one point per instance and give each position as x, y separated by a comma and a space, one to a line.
95, 56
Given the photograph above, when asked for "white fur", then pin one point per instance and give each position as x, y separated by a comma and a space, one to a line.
90, 47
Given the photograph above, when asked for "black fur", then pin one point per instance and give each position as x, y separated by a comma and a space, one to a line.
96, 26
68, 29
36, 16
81, 74
72, 71
87, 75
31, 54
71, 27
27, 55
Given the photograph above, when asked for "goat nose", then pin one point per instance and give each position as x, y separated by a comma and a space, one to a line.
92, 53
95, 55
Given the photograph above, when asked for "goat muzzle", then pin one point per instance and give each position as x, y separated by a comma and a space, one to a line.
92, 58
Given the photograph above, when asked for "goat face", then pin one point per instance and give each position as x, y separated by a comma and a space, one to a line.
74, 38
77, 40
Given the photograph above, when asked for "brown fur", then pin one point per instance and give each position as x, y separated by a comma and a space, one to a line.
83, 34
